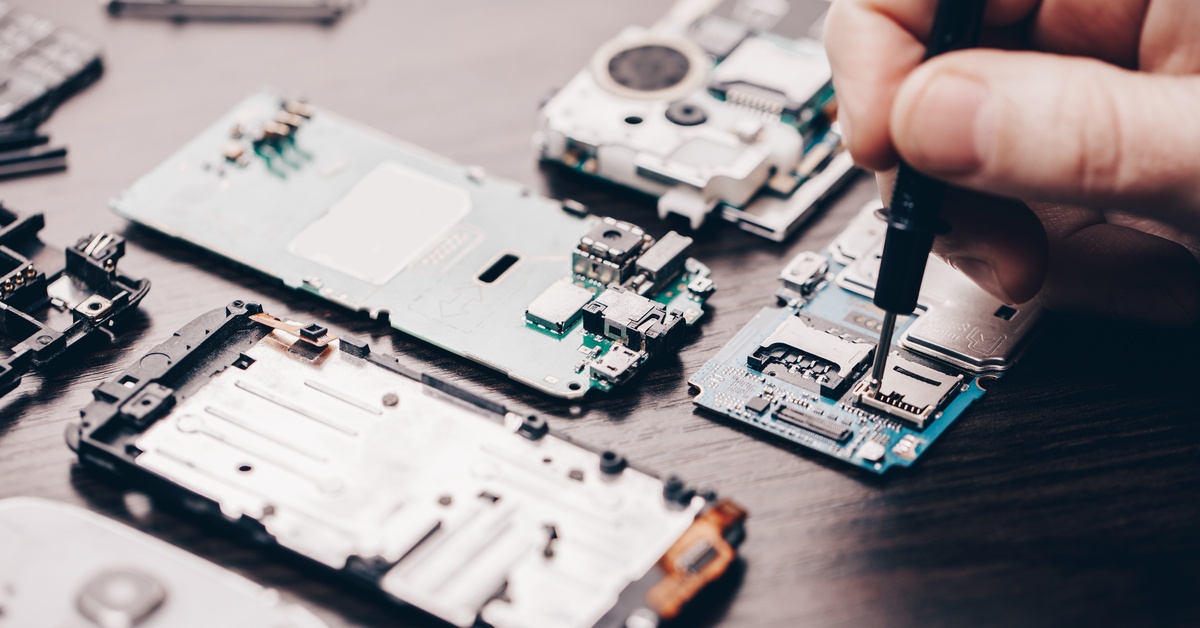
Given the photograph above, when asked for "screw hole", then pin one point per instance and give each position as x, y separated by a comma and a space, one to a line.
245, 468
574, 385
633, 120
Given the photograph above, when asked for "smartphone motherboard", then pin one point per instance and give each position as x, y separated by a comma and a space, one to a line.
559, 300
402, 482
800, 371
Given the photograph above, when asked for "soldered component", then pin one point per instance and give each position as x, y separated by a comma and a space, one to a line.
618, 364
299, 108
285, 117
906, 447
758, 405
803, 273
872, 451
607, 253
910, 391
273, 132
763, 75
806, 420
662, 262
701, 284
822, 361
637, 322
234, 151
558, 306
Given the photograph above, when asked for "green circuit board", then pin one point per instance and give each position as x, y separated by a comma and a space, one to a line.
800, 371
538, 289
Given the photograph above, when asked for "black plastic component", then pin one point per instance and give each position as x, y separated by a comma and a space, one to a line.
675, 491
175, 369
612, 463
21, 138
149, 404
799, 418
574, 207
319, 11
686, 114
913, 221
313, 331
914, 215
637, 322
758, 405
32, 160
243, 361
48, 304
533, 427
459, 393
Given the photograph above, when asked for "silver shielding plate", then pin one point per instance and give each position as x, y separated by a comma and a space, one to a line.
339, 460
961, 323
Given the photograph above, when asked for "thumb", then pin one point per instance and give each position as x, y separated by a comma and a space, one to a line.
1055, 128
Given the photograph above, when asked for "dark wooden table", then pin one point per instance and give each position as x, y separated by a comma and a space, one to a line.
1068, 496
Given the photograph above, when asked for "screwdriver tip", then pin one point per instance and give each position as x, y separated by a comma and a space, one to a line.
879, 366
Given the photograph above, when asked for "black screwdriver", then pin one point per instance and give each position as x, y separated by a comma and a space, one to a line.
914, 215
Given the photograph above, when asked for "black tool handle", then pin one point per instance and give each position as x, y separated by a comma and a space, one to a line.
914, 216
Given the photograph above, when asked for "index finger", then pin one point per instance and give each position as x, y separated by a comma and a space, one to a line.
873, 45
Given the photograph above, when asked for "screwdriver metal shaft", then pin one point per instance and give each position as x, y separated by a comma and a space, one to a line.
885, 341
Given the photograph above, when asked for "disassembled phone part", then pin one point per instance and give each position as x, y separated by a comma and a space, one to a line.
558, 300
66, 566
710, 113
324, 11
801, 370
48, 305
401, 481
41, 65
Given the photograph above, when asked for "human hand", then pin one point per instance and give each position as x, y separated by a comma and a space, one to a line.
1086, 111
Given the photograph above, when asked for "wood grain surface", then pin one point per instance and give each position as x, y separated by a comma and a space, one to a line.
1069, 496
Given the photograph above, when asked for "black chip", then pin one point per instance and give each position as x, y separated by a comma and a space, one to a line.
758, 405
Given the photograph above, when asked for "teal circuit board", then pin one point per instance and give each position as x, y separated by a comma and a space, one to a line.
538, 289
800, 371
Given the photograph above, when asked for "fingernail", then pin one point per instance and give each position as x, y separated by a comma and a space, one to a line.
953, 129
983, 274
